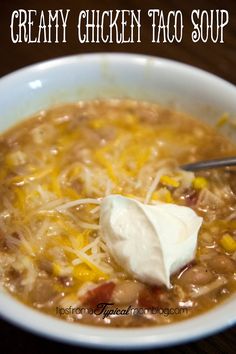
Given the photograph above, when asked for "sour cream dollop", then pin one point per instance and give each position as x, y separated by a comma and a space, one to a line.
150, 242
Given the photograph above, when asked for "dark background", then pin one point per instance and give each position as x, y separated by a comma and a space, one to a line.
218, 58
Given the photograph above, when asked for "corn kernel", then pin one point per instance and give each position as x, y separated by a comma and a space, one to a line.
168, 197
155, 196
128, 195
200, 183
163, 195
57, 269
169, 181
97, 123
228, 243
129, 120
222, 120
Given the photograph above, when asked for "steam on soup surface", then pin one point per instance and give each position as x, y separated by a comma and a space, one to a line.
55, 170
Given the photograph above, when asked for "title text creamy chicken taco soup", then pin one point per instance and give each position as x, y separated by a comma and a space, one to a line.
95, 213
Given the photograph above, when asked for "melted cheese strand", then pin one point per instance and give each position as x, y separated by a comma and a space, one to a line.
74, 203
154, 184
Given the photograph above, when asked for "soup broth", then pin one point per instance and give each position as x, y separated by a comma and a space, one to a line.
56, 167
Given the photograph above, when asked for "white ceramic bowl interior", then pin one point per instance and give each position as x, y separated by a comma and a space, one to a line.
84, 77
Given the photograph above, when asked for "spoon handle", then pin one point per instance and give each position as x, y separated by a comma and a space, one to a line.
207, 164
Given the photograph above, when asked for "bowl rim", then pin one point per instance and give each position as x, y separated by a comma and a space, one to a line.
47, 326
114, 56
213, 321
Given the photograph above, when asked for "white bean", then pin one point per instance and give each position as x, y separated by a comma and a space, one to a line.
126, 292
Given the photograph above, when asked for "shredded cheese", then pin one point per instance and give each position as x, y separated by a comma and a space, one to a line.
59, 187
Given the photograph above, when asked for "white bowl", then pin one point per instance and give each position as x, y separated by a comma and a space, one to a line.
26, 91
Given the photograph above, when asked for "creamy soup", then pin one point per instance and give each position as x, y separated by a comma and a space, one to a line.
57, 167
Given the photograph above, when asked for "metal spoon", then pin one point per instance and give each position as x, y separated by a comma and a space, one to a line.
207, 164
